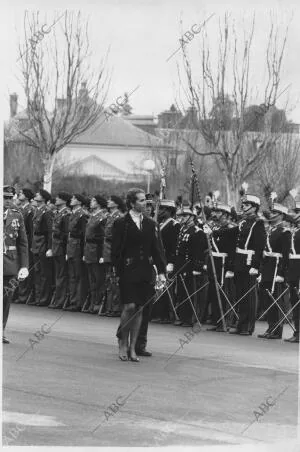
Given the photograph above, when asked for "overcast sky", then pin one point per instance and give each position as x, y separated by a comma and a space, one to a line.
142, 34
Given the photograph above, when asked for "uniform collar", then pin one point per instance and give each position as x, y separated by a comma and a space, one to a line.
164, 224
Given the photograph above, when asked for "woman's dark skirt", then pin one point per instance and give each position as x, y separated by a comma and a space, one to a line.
136, 292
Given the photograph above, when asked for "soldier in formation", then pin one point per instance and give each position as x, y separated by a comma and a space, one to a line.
233, 255
15, 251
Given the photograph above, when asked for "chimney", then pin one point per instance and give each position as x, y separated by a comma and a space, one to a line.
83, 92
13, 103
60, 103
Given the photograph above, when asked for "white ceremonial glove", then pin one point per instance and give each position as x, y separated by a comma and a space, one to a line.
49, 253
205, 267
279, 279
83, 258
101, 260
23, 273
207, 229
162, 278
258, 279
196, 273
229, 274
170, 268
253, 271
66, 257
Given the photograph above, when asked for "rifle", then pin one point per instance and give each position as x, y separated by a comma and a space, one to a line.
196, 182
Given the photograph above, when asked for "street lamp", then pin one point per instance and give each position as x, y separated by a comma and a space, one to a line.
149, 166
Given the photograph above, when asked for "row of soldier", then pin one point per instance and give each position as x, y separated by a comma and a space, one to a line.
70, 263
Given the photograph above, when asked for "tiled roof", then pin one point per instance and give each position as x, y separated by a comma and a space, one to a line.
115, 131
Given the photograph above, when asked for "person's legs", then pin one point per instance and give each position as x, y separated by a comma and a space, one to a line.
45, 280
6, 299
61, 281
128, 312
134, 330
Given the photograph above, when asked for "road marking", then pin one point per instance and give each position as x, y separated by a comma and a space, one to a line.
13, 417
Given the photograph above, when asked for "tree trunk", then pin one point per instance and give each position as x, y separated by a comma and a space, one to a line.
48, 171
231, 191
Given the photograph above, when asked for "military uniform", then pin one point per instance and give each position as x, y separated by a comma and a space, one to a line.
26, 287
42, 242
223, 244
190, 256
59, 250
93, 251
169, 231
15, 253
275, 263
113, 306
75, 245
251, 242
294, 278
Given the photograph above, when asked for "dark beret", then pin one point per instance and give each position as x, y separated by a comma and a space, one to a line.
80, 198
101, 201
64, 196
45, 194
119, 201
87, 202
9, 191
28, 193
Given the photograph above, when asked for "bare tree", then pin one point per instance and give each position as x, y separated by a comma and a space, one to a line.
64, 95
176, 160
220, 90
280, 172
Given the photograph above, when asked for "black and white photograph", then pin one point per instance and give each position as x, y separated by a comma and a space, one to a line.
151, 224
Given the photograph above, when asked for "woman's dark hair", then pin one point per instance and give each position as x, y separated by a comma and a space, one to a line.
132, 196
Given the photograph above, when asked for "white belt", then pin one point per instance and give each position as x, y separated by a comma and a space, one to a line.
215, 254
294, 256
11, 248
242, 251
271, 254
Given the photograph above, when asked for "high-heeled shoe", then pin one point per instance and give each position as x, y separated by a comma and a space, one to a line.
134, 359
123, 357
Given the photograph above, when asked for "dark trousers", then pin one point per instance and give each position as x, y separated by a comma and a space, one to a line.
161, 309
273, 315
246, 308
215, 308
96, 277
294, 298
42, 278
113, 302
7, 294
185, 288
77, 281
61, 280
26, 287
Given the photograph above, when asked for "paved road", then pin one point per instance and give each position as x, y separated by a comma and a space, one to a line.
57, 392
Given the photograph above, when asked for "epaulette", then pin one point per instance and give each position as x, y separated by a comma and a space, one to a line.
285, 229
259, 220
232, 225
15, 209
